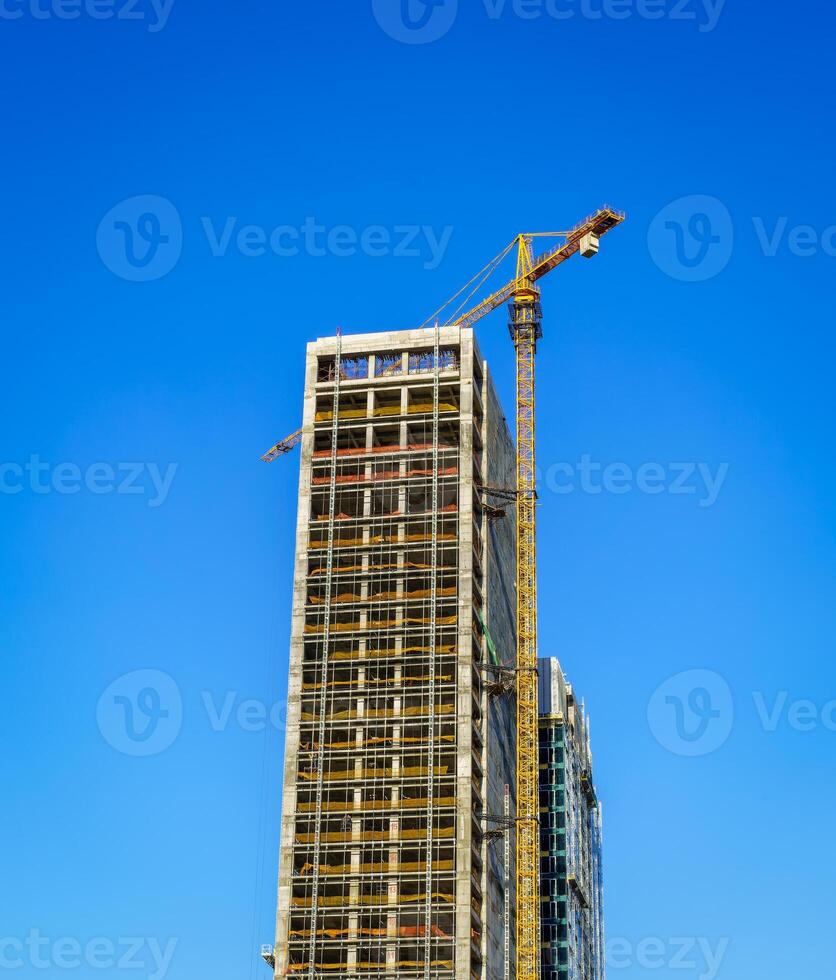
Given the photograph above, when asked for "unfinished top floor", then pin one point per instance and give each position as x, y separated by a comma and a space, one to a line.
398, 354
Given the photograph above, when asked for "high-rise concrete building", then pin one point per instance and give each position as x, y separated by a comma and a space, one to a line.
399, 741
571, 889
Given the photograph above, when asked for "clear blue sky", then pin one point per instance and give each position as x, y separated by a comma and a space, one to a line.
701, 335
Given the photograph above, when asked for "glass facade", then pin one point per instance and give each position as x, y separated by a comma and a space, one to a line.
570, 837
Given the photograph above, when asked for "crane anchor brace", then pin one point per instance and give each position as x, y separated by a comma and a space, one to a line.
283, 447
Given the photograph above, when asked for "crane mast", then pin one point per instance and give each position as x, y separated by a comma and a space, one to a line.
525, 331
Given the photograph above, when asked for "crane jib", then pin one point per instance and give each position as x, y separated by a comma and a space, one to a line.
597, 224
600, 223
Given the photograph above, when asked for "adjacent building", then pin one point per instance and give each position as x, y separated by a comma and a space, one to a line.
400, 742
571, 889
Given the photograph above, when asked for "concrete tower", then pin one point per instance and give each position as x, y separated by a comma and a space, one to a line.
399, 742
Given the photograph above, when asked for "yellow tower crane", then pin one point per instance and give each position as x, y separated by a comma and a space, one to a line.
525, 328
523, 292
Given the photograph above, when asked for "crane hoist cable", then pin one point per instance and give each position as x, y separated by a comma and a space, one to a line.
482, 276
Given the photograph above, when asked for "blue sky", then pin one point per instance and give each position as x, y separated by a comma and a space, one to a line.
154, 339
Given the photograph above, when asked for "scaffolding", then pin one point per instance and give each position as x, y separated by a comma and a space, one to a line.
373, 882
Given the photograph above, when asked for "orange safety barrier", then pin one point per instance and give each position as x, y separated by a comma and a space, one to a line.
369, 654
388, 773
368, 742
406, 964
349, 542
406, 932
441, 896
412, 447
383, 624
443, 536
356, 477
340, 837
449, 590
336, 900
382, 475
349, 805
441, 709
419, 408
383, 539
444, 471
372, 866
449, 509
422, 566
419, 931
380, 682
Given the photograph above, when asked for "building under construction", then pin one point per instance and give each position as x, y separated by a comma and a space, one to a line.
395, 852
413, 744
571, 886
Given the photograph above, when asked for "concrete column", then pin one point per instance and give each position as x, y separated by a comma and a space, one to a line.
288, 827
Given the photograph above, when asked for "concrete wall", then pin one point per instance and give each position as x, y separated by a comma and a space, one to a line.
501, 617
